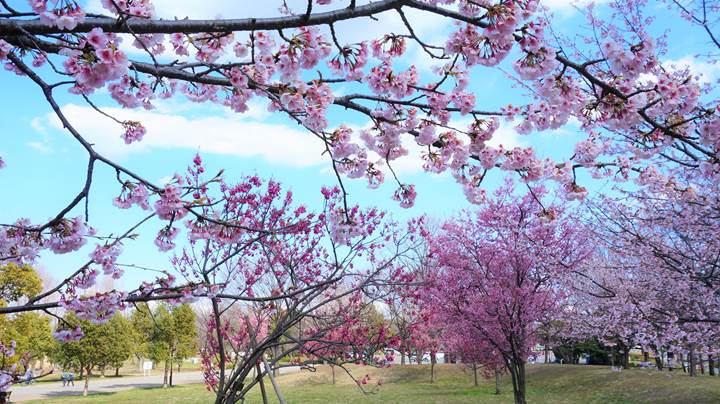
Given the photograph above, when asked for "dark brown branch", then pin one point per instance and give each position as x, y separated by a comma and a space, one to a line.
186, 26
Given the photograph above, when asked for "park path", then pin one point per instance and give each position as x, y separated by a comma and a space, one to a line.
39, 391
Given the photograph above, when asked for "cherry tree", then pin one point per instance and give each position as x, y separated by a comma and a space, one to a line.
640, 119
498, 273
363, 337
474, 351
300, 289
657, 284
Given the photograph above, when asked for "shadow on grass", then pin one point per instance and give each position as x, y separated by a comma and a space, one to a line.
67, 393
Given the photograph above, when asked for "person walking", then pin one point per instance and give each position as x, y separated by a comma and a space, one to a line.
29, 376
68, 378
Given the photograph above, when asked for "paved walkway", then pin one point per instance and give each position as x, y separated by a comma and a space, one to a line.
39, 391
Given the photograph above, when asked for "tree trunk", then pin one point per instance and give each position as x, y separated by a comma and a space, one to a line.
626, 358
275, 371
259, 376
402, 358
516, 367
87, 382
681, 358
165, 375
475, 379
82, 372
497, 382
646, 356
433, 360
278, 393
171, 374
117, 372
693, 361
658, 361
711, 365
702, 364
670, 361
547, 352
332, 367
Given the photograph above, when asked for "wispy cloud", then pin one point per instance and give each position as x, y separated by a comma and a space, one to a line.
235, 135
41, 147
37, 124
569, 6
705, 71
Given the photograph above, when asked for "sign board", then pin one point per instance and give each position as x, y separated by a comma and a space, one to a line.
147, 367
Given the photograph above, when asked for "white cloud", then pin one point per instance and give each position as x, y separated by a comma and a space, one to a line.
706, 72
505, 135
221, 134
41, 147
165, 180
569, 6
37, 124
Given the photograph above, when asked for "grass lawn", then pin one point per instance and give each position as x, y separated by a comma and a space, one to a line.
410, 384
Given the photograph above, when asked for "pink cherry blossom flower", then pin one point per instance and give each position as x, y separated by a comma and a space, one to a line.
165, 237
405, 194
68, 335
134, 131
170, 205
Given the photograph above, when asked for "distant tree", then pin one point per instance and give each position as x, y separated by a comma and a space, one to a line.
141, 323
32, 335
31, 331
122, 347
185, 334
18, 281
101, 345
569, 350
168, 335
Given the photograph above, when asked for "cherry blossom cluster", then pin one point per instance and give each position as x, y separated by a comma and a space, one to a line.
19, 245
96, 61
135, 8
8, 376
105, 256
132, 93
68, 334
132, 194
97, 308
60, 13
68, 235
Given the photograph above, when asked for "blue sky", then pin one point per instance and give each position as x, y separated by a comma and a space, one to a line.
45, 167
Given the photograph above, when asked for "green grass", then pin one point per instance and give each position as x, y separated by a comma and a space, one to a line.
410, 384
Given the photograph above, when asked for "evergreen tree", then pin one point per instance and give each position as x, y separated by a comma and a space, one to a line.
102, 345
